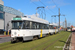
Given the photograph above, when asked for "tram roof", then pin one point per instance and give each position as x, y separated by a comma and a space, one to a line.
36, 20
53, 24
39, 20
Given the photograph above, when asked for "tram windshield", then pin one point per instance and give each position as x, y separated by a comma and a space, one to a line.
16, 24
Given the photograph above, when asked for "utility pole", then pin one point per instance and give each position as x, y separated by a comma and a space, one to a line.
59, 20
65, 24
59, 17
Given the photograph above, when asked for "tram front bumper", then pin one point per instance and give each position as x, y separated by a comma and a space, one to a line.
13, 39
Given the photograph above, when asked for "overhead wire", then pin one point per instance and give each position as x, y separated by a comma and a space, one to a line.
38, 5
55, 4
45, 6
34, 3
50, 10
46, 11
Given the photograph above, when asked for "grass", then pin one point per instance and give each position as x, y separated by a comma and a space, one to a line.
57, 40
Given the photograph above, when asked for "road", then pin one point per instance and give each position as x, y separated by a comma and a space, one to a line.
4, 39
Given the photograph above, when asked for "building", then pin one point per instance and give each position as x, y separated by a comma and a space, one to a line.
1, 15
9, 13
6, 14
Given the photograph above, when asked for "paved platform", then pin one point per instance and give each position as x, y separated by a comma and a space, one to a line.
73, 41
5, 35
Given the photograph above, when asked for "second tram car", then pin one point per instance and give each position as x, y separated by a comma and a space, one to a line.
53, 29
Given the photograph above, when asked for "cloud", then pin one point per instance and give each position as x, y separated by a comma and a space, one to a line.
58, 2
49, 2
50, 7
61, 2
35, 0
33, 15
47, 7
55, 24
19, 9
60, 22
53, 6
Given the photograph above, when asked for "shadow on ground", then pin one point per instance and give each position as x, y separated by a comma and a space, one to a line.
62, 41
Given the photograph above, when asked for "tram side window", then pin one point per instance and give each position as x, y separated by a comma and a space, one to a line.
51, 26
40, 26
23, 25
46, 26
37, 25
33, 25
26, 25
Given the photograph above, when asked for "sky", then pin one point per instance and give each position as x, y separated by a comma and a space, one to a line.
29, 7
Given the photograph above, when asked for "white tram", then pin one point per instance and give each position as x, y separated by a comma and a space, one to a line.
53, 28
24, 28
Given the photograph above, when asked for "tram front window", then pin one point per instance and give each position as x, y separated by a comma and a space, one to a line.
16, 25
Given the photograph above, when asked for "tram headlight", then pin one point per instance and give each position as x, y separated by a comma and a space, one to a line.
23, 34
12, 34
18, 34
15, 33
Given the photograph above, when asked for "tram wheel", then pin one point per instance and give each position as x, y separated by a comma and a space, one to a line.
35, 38
17, 40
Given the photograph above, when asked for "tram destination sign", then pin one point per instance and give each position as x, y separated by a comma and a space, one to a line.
16, 18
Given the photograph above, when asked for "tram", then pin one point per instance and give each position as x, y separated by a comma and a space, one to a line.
24, 28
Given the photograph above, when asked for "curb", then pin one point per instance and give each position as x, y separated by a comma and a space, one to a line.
5, 36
